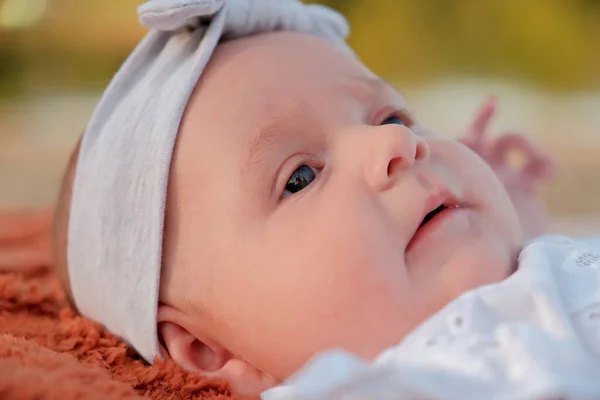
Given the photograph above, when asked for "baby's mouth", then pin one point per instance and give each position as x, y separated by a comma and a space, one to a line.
432, 215
440, 207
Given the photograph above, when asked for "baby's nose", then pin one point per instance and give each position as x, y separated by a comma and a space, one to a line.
391, 150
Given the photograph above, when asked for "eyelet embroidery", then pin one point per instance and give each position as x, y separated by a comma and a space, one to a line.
456, 324
594, 316
458, 321
588, 260
582, 260
479, 345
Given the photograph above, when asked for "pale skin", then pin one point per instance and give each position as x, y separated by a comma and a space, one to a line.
297, 195
261, 272
522, 182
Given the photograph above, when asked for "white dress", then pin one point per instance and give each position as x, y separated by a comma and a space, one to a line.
535, 335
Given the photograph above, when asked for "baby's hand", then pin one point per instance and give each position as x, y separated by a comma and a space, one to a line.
522, 182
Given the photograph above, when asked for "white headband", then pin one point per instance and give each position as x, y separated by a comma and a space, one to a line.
120, 187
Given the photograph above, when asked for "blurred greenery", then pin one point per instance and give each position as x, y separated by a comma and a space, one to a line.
554, 45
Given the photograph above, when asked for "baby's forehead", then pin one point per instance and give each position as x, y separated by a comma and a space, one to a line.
265, 75
277, 66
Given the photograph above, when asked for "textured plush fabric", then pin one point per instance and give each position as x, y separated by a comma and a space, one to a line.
47, 351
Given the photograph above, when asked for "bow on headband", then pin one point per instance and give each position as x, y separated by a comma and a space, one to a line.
246, 17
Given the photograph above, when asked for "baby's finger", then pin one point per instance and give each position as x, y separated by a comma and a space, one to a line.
479, 127
542, 168
503, 145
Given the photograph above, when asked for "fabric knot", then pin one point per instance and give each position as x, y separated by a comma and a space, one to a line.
172, 15
246, 17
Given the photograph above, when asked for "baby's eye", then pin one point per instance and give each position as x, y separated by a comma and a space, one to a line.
394, 120
300, 179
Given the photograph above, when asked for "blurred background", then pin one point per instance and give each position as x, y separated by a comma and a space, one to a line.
540, 58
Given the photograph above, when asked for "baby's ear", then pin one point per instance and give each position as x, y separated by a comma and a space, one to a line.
200, 353
189, 352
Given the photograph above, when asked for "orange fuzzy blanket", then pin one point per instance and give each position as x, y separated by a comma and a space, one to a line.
48, 352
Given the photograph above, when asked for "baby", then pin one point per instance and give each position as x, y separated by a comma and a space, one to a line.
301, 208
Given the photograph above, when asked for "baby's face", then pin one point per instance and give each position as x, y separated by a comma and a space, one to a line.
300, 203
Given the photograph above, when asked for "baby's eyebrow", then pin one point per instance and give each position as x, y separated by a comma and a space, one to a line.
370, 83
266, 135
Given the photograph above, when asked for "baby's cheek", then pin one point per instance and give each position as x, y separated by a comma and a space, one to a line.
363, 294
334, 280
